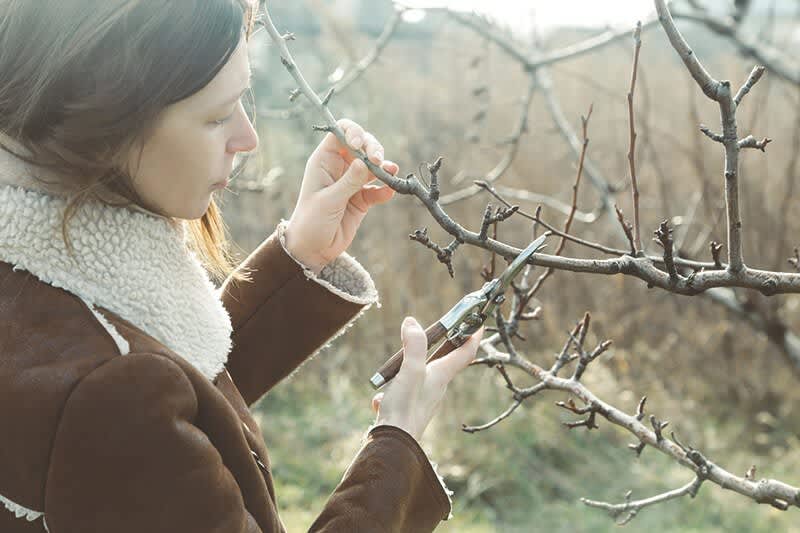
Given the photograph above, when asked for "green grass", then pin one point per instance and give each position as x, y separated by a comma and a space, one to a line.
528, 474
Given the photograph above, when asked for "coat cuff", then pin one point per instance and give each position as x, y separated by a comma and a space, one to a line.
344, 276
300, 313
435, 480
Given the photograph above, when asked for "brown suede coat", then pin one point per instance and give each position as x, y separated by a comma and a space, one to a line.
144, 443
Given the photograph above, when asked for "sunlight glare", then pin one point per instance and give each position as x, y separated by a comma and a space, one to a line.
548, 14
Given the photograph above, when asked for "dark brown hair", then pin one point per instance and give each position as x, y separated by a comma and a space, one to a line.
84, 81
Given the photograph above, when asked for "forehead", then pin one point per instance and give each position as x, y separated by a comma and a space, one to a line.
234, 75
229, 81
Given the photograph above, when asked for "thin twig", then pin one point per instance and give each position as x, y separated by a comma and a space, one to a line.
631, 508
637, 39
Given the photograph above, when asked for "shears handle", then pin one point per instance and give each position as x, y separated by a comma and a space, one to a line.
390, 368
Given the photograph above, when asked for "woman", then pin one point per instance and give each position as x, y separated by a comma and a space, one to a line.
125, 376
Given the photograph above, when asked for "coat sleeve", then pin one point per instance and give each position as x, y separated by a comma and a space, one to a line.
128, 458
286, 313
389, 487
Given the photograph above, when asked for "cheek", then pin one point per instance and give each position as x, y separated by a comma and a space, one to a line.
194, 159
186, 153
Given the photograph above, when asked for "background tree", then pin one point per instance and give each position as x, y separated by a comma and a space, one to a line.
712, 355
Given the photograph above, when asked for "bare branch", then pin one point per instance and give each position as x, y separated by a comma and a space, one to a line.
352, 75
776, 493
553, 203
627, 228
444, 255
720, 92
764, 281
596, 178
631, 508
777, 61
502, 416
708, 85
640, 408
795, 261
710, 134
715, 248
568, 223
664, 238
495, 191
755, 75
637, 237
752, 142
407, 186
564, 357
585, 359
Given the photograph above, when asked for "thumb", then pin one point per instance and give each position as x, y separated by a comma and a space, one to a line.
415, 346
376, 402
460, 358
356, 176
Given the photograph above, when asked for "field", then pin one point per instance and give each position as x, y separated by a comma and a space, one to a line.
721, 382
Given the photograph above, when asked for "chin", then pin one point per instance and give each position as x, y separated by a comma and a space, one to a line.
195, 212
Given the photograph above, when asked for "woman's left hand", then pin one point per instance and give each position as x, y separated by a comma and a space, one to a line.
335, 196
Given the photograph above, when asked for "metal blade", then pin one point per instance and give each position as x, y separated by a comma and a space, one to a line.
516, 265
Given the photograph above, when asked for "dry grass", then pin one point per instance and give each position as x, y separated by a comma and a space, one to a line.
725, 388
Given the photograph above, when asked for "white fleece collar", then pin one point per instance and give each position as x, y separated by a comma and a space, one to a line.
129, 261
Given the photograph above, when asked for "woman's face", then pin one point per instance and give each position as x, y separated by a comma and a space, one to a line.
194, 143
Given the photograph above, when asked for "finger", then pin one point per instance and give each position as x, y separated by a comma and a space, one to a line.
446, 368
387, 166
355, 177
374, 195
374, 149
415, 347
376, 402
353, 133
391, 167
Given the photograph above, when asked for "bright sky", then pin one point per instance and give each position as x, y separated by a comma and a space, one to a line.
518, 14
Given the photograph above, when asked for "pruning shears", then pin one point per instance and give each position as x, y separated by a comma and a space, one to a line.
464, 318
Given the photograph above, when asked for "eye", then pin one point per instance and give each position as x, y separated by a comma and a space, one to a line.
222, 121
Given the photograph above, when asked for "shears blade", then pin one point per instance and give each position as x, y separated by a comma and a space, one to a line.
520, 261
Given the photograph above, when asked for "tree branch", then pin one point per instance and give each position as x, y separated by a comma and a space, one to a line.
720, 92
637, 242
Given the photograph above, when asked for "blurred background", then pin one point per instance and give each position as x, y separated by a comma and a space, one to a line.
722, 375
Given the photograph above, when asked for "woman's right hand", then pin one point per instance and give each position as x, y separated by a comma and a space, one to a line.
413, 396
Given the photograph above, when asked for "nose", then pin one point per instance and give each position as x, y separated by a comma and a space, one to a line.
246, 140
